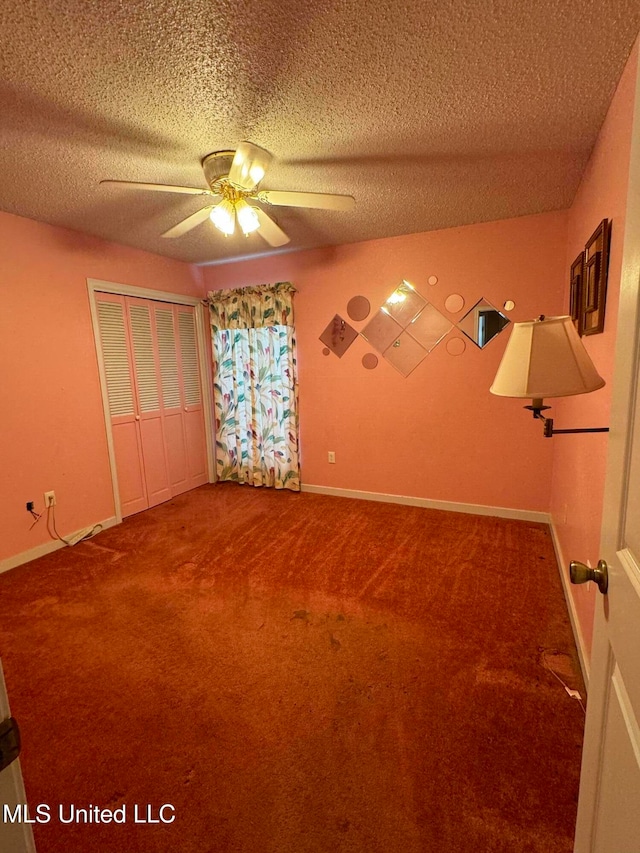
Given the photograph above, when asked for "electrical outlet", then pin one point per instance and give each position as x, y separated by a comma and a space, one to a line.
332, 456
49, 499
30, 506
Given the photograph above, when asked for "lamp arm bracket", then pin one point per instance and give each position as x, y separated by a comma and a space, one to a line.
549, 430
587, 429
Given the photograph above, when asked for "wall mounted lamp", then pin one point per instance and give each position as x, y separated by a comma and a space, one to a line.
546, 358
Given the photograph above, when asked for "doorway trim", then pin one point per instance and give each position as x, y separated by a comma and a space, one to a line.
95, 286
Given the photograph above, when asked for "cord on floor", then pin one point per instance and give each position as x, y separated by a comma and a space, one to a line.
51, 523
574, 694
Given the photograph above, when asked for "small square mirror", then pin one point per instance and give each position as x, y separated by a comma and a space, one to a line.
381, 330
405, 354
429, 327
482, 323
338, 336
404, 303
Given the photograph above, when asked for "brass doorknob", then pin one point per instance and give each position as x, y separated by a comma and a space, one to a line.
579, 573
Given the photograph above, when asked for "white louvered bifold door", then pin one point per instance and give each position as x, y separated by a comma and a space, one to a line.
152, 372
192, 397
148, 394
172, 398
118, 368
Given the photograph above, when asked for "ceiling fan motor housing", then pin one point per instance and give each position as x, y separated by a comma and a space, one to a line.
217, 165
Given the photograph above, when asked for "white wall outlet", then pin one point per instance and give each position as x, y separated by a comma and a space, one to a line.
332, 456
49, 499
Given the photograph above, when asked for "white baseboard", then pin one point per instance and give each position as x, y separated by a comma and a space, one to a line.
571, 607
48, 547
448, 506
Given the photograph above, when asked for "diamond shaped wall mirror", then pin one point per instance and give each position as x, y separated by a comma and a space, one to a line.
338, 336
429, 327
482, 323
405, 354
381, 331
404, 303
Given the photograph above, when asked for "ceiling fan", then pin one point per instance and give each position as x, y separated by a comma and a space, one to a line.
233, 178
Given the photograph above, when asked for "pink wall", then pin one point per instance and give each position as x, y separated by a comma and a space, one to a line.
579, 461
52, 433
437, 434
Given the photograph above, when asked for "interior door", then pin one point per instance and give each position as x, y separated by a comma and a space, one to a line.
193, 406
182, 402
118, 361
15, 837
609, 803
150, 408
172, 398
151, 366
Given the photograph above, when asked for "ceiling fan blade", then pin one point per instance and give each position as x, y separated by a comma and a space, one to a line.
189, 223
322, 201
249, 166
269, 231
162, 188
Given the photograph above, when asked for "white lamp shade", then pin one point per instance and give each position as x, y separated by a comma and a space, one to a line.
223, 217
545, 358
247, 217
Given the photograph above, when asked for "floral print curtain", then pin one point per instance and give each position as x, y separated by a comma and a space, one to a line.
255, 385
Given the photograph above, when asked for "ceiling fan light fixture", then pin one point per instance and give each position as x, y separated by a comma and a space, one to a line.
233, 178
223, 217
247, 217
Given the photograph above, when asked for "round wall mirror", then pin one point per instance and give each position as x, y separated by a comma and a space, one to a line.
454, 303
369, 360
456, 346
358, 308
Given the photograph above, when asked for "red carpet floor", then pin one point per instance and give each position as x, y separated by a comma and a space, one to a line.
295, 672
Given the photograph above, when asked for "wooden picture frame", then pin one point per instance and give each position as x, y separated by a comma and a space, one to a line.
594, 283
575, 292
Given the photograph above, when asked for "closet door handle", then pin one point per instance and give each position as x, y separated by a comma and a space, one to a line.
137, 417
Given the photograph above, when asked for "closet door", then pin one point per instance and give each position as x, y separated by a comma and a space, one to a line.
118, 361
152, 368
172, 398
192, 398
150, 408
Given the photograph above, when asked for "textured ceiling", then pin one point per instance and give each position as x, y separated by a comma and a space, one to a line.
432, 114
